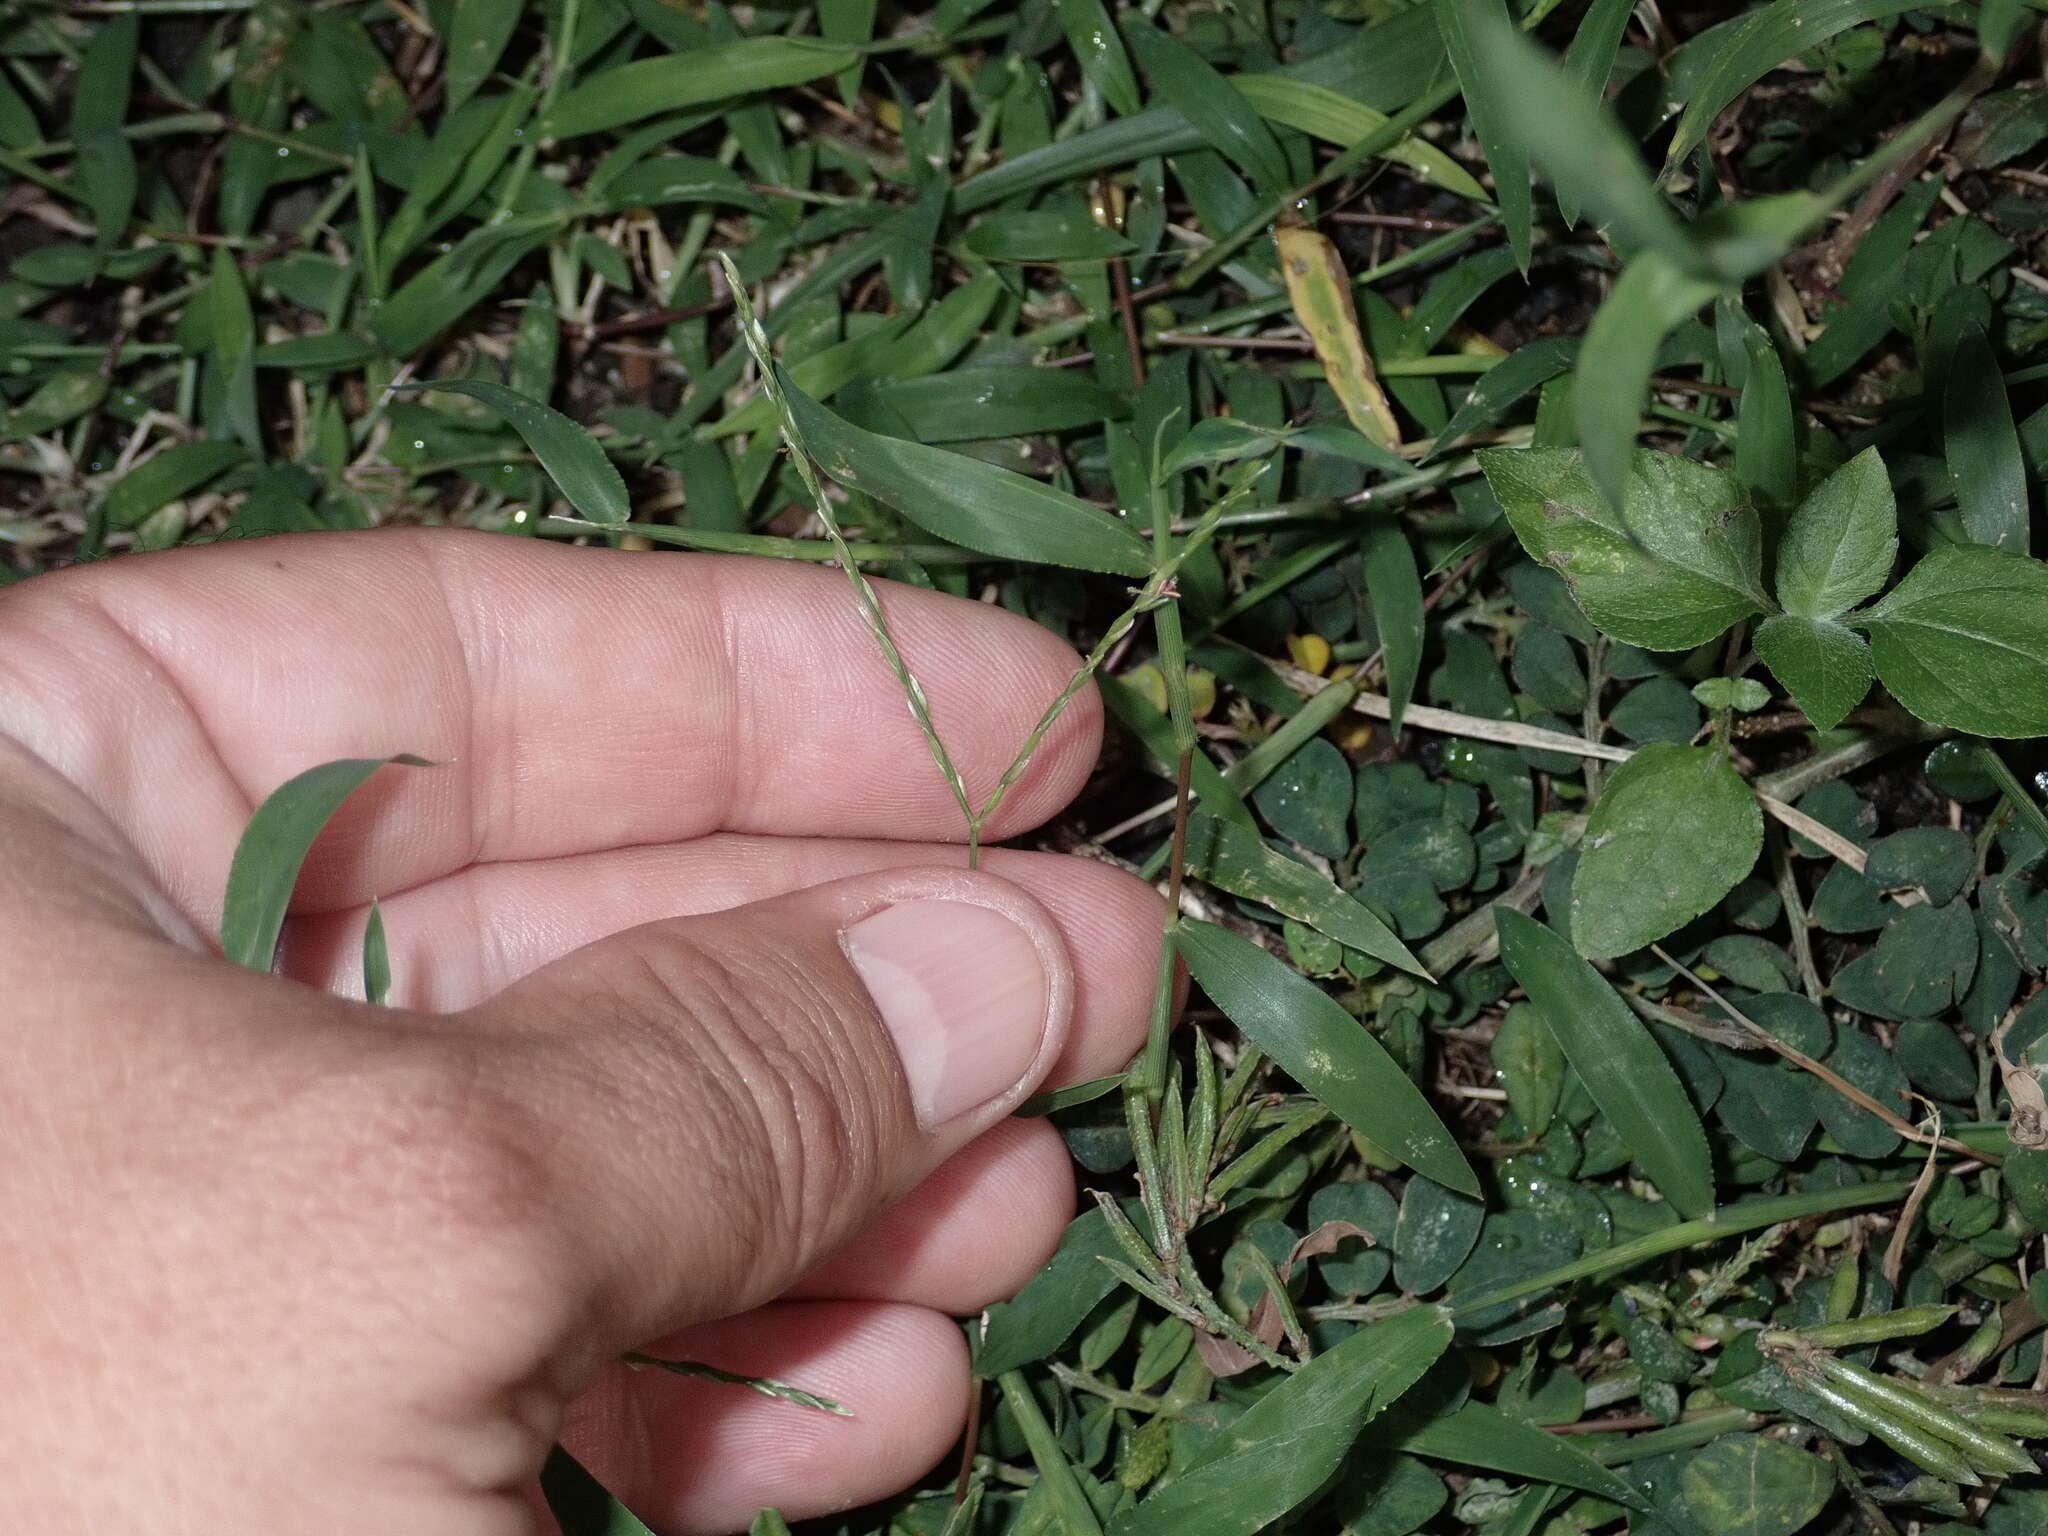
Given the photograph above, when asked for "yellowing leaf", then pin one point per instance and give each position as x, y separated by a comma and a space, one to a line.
1321, 294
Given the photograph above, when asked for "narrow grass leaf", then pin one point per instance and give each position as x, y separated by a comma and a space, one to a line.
272, 849
1226, 120
1651, 299
1395, 587
973, 504
1480, 1435
477, 36
1589, 59
376, 958
968, 404
1325, 1049
1673, 832
1285, 1447
1060, 1485
1504, 385
1234, 857
1823, 665
1461, 23
1766, 39
1766, 451
1621, 1065
1552, 117
1100, 52
1042, 1316
1963, 641
566, 451
158, 481
1984, 447
627, 93
664, 180
1840, 543
1342, 120
1320, 291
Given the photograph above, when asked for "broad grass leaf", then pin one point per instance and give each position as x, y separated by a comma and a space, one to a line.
1386, 66
1219, 440
1236, 859
327, 352
1559, 124
1751, 1485
1066, 233
1325, 1049
1679, 562
273, 848
566, 451
1766, 39
1100, 52
1674, 830
1650, 300
627, 93
476, 39
1823, 665
62, 397
1320, 291
106, 177
967, 404
1504, 384
1339, 119
1839, 545
1621, 1065
18, 126
1984, 447
975, 505
1963, 641
1285, 1447
1480, 1435
1042, 1316
1395, 587
1464, 24
106, 76
158, 481
1589, 59
662, 180
1227, 121
447, 287
1766, 450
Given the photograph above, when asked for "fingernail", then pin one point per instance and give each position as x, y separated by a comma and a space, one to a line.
962, 990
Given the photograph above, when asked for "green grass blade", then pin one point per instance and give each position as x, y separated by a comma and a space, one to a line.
476, 39
273, 849
566, 451
971, 503
1227, 121
1620, 1064
1536, 106
1480, 1435
1984, 447
1766, 39
1285, 1447
1466, 26
1325, 1049
629, 93
1236, 859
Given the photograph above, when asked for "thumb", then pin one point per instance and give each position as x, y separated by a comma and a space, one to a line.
723, 1100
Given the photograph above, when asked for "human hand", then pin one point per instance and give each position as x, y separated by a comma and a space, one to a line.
275, 1260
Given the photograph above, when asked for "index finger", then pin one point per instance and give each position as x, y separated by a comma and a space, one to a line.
577, 700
